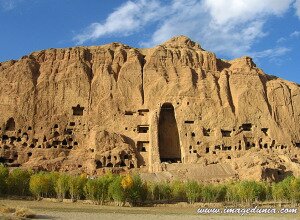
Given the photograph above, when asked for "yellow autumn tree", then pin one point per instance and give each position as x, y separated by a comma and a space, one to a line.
127, 182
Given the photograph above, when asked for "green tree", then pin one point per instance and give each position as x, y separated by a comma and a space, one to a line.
161, 191
62, 186
137, 192
98, 189
76, 187
18, 182
116, 191
232, 193
249, 191
40, 184
213, 193
193, 191
178, 191
3, 178
282, 191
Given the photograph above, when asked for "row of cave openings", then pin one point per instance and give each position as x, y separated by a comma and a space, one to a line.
226, 133
169, 144
11, 138
24, 140
248, 146
67, 142
122, 160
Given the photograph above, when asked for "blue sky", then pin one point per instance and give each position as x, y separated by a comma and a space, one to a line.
268, 30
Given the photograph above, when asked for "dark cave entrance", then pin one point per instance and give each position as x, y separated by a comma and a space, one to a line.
168, 137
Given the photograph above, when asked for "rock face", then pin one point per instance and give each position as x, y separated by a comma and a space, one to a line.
114, 107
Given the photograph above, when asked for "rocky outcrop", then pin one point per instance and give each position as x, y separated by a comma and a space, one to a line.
114, 107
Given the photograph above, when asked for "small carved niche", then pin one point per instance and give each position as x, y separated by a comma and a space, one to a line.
128, 113
143, 128
206, 132
10, 125
142, 146
78, 110
265, 130
226, 133
143, 111
246, 127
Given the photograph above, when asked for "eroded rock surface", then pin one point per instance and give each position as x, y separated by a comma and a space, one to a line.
114, 107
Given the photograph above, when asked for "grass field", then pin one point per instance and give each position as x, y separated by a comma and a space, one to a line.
81, 211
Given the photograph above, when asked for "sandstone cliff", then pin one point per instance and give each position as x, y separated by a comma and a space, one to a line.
89, 109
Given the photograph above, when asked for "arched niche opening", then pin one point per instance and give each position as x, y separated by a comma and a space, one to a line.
168, 137
10, 125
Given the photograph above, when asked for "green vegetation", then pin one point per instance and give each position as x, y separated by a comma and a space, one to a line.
132, 189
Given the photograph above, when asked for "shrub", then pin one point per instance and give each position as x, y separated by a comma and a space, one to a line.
193, 191
62, 186
18, 182
3, 178
24, 213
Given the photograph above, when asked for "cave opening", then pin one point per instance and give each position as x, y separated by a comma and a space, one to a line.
168, 137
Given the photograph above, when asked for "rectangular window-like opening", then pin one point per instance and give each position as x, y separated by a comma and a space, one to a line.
78, 110
142, 146
189, 122
129, 112
226, 133
206, 132
246, 127
265, 130
143, 111
143, 128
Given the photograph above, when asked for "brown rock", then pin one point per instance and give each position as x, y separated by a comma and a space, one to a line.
114, 107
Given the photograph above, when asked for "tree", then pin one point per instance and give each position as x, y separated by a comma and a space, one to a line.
97, 189
282, 191
76, 186
193, 191
18, 182
40, 184
116, 191
295, 190
213, 193
178, 191
249, 191
135, 190
3, 178
62, 186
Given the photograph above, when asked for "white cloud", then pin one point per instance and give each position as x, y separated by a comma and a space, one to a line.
127, 19
8, 5
281, 40
297, 7
295, 34
239, 11
229, 27
271, 53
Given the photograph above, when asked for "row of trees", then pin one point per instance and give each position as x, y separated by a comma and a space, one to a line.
130, 188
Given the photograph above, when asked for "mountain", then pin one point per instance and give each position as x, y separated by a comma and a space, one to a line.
174, 109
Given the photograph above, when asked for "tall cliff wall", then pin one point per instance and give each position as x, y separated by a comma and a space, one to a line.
89, 109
